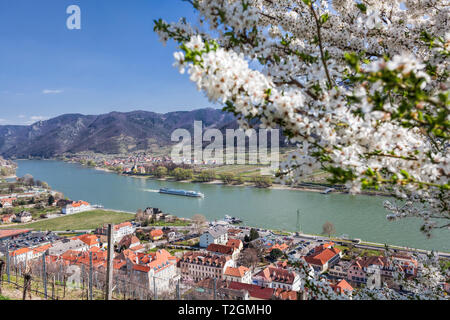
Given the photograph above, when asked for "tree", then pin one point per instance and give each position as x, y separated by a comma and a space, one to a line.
239, 180
371, 110
330, 94
262, 181
248, 258
328, 229
51, 200
275, 254
11, 187
139, 215
28, 180
207, 176
253, 234
227, 177
161, 172
199, 221
182, 174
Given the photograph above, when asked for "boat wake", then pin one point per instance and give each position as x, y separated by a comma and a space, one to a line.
151, 190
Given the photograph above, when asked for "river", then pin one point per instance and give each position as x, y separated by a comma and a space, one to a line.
357, 216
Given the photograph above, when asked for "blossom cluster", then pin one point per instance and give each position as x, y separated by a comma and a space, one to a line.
362, 89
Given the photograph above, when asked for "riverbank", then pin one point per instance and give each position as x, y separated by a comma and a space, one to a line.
318, 188
9, 177
356, 216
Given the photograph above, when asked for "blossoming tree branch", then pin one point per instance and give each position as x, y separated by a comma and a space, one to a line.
361, 87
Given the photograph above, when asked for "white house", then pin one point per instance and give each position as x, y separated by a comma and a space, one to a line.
76, 207
216, 235
23, 217
21, 255
122, 230
161, 271
240, 274
272, 277
60, 247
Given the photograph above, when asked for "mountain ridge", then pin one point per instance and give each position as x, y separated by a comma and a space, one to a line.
110, 133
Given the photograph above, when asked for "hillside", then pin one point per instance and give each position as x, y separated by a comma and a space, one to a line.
110, 133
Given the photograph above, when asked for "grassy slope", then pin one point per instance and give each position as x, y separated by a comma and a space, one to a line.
79, 221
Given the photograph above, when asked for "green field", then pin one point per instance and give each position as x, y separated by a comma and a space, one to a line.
79, 221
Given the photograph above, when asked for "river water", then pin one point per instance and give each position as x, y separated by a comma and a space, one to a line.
357, 216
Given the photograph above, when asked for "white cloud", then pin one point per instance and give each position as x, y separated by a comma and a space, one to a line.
49, 91
33, 119
38, 118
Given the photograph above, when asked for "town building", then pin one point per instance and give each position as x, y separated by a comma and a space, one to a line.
131, 242
76, 207
63, 246
221, 249
8, 218
255, 292
342, 287
21, 256
240, 274
119, 231
217, 235
160, 270
91, 240
235, 243
23, 217
273, 277
199, 266
323, 257
340, 269
156, 234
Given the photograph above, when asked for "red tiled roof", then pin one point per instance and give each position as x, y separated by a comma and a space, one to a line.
342, 286
286, 295
277, 274
253, 290
19, 252
282, 247
42, 248
220, 248
236, 272
11, 233
322, 257
89, 239
156, 233
235, 243
141, 268
122, 225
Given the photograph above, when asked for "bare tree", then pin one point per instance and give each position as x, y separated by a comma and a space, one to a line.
139, 215
199, 221
259, 247
328, 229
248, 258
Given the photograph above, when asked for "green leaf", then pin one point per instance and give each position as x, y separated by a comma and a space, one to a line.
324, 18
362, 7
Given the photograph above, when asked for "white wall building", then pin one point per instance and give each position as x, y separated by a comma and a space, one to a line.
217, 235
76, 207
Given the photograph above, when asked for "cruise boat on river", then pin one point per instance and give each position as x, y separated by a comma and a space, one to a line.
185, 193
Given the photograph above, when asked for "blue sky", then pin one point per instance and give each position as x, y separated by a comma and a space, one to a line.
114, 63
